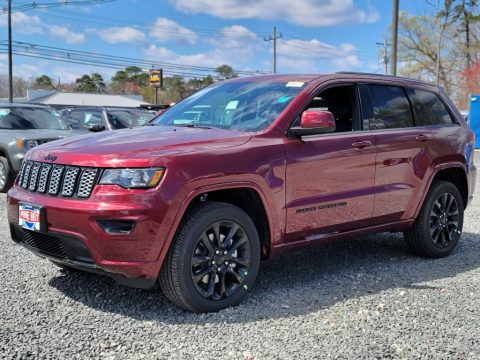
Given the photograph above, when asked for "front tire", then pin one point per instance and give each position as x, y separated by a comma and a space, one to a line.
437, 229
6, 176
213, 261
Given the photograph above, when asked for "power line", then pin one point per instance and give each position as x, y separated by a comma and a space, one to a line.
49, 5
97, 64
25, 7
72, 16
141, 25
70, 54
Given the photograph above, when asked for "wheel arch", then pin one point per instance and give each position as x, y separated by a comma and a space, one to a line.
454, 173
4, 153
242, 195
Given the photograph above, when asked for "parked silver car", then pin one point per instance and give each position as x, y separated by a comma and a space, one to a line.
22, 127
100, 118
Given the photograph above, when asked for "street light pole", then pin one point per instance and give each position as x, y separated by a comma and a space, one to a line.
10, 71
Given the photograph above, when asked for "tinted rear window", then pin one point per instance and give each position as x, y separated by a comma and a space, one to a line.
429, 109
81, 119
125, 118
385, 107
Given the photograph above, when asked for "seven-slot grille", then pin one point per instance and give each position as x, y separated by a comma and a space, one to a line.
57, 180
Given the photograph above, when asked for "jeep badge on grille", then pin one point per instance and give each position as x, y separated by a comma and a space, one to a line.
50, 157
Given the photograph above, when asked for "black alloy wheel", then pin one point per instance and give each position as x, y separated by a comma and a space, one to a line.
220, 260
444, 220
438, 226
213, 260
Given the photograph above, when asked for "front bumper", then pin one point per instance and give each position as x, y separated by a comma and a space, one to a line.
71, 252
74, 237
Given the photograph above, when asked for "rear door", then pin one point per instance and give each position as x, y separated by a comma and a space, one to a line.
402, 150
432, 114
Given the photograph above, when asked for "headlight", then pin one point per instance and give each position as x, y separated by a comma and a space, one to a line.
132, 178
30, 144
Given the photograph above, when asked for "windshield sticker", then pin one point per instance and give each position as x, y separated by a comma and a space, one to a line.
283, 99
4, 112
232, 105
295, 84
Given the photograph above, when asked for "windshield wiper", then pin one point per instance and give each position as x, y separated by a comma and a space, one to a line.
193, 125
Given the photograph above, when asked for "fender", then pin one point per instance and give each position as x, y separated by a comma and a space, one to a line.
276, 234
6, 155
429, 181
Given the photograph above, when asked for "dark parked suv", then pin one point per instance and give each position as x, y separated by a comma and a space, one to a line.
280, 162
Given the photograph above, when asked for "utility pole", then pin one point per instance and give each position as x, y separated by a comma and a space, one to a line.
384, 54
10, 71
393, 63
274, 39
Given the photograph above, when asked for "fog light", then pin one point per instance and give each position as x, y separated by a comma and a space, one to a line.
116, 226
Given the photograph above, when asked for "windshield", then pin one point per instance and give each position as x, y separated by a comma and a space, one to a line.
124, 118
26, 118
241, 106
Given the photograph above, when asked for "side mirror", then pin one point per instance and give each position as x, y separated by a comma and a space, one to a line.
313, 122
96, 127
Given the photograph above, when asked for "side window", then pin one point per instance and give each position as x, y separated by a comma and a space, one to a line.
73, 117
92, 118
5, 121
340, 101
385, 107
82, 119
429, 109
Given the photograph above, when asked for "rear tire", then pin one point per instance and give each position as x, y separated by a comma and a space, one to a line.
6, 176
213, 260
437, 229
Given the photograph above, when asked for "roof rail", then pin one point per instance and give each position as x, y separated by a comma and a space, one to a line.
375, 74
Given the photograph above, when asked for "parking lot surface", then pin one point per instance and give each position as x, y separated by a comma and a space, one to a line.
358, 298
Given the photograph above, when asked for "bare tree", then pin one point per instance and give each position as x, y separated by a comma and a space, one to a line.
440, 46
20, 87
422, 48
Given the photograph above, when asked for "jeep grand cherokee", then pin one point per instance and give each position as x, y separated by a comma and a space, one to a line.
280, 162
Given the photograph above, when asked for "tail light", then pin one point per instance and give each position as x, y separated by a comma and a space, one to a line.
471, 137
471, 146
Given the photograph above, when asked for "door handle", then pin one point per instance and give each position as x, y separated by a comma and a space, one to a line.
362, 144
421, 138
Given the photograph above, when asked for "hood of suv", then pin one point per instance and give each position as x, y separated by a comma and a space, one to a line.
138, 147
38, 134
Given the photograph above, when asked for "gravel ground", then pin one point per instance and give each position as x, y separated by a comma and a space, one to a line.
361, 298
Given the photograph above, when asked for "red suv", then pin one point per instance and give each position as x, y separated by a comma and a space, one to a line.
273, 163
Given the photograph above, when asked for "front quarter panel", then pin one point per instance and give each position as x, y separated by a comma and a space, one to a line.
258, 165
